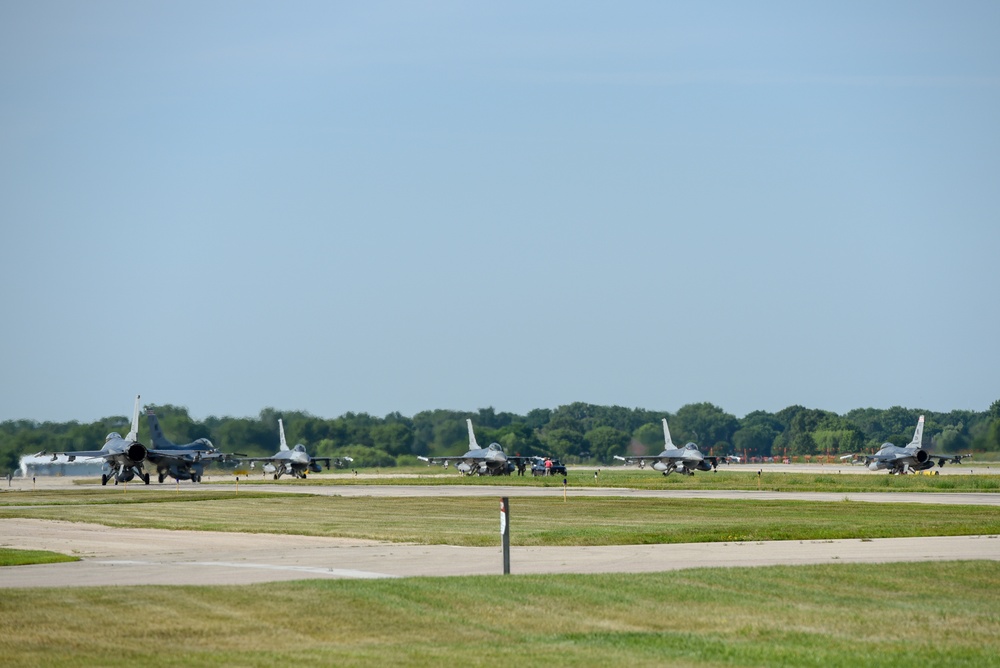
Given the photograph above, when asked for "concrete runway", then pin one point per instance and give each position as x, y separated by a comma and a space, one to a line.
115, 557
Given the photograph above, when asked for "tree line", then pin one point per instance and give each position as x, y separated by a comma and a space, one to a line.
576, 433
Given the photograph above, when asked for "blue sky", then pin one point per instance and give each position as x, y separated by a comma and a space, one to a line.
395, 206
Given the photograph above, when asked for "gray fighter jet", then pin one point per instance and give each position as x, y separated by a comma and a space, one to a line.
122, 456
490, 460
181, 462
682, 460
293, 461
912, 457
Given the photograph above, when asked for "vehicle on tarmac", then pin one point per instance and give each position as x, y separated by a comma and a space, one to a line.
555, 467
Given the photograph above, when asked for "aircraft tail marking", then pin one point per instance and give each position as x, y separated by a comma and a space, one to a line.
918, 434
156, 437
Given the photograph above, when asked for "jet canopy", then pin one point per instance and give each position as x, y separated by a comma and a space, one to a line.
299, 448
690, 446
495, 447
113, 436
205, 443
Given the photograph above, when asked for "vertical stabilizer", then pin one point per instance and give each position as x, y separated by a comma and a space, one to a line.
156, 437
281, 430
918, 434
134, 434
666, 435
472, 437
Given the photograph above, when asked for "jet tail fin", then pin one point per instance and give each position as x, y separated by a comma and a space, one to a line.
134, 434
666, 435
281, 430
918, 433
472, 437
156, 437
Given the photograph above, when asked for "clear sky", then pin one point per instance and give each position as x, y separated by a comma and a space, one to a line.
402, 206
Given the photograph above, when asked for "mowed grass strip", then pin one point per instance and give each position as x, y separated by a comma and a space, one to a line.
474, 521
833, 479
118, 497
883, 615
9, 557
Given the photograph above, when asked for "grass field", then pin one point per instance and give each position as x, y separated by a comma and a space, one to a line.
732, 479
473, 521
914, 614
926, 614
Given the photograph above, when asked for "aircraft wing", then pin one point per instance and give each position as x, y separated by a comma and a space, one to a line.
943, 459
642, 458
192, 455
81, 454
438, 460
182, 455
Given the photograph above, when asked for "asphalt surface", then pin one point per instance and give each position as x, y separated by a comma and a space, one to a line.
117, 557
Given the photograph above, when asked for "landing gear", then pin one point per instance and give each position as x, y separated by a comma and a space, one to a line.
145, 478
162, 477
104, 479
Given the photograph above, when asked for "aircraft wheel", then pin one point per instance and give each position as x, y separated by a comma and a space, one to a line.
145, 478
275, 476
104, 479
162, 477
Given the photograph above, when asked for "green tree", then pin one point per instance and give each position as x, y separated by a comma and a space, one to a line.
992, 440
755, 440
650, 438
703, 423
564, 442
951, 439
835, 441
395, 438
606, 442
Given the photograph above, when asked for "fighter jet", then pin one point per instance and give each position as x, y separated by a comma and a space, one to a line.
181, 462
490, 460
295, 461
912, 457
682, 460
123, 456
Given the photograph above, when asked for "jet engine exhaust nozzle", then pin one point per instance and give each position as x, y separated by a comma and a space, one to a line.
136, 453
